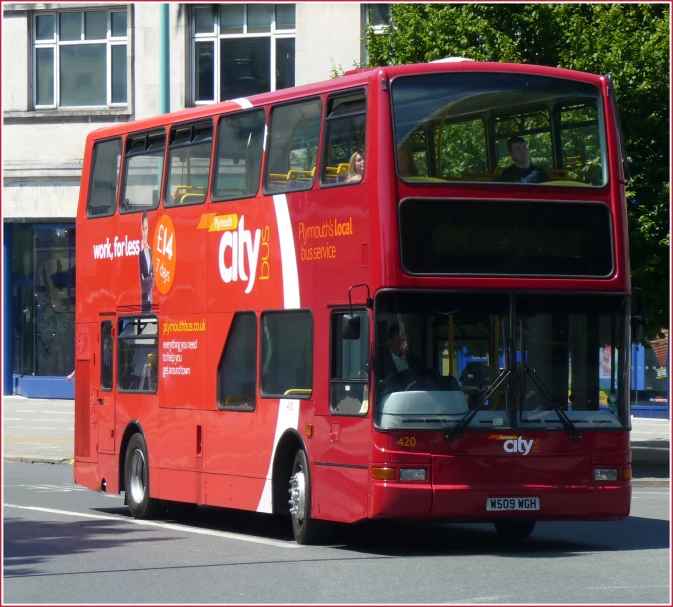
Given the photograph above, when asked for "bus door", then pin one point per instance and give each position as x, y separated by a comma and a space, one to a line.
343, 444
106, 395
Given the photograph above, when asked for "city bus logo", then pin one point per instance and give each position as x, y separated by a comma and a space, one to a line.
516, 444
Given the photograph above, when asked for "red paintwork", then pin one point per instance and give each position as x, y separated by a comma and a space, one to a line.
229, 464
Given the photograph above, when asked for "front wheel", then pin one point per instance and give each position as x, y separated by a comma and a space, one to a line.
514, 530
137, 480
306, 529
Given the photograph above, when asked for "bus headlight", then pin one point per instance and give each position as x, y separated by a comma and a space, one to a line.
413, 474
606, 474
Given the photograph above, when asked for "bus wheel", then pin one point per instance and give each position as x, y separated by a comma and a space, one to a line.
137, 479
306, 529
514, 530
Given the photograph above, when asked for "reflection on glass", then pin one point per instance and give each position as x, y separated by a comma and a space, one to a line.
232, 18
204, 71
95, 25
83, 75
497, 127
118, 24
285, 16
44, 77
245, 67
203, 20
260, 17
284, 63
70, 26
44, 27
119, 73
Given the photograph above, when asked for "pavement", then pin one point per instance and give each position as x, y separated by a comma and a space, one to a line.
41, 431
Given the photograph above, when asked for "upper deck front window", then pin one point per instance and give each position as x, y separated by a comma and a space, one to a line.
499, 127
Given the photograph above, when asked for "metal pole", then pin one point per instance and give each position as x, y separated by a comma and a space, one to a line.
7, 332
164, 60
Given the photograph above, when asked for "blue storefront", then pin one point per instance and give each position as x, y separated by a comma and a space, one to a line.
38, 309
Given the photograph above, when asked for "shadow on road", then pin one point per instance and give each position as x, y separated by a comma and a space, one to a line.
28, 543
395, 538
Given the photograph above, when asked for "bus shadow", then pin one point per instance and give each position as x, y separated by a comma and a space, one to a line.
396, 538
548, 540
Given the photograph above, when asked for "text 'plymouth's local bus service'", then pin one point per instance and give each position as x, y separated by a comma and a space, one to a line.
399, 294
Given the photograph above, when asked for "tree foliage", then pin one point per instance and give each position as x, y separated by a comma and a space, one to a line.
629, 41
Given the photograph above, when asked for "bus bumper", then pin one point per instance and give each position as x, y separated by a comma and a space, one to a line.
605, 502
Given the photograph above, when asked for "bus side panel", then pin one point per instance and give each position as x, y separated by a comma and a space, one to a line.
341, 467
229, 491
180, 485
108, 467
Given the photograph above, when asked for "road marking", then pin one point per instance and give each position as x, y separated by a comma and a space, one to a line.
54, 488
171, 526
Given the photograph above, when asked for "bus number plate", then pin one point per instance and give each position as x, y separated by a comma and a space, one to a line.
512, 503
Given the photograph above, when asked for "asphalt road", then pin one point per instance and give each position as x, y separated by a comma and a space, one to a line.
65, 544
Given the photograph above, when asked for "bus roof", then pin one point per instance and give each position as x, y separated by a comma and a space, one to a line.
352, 78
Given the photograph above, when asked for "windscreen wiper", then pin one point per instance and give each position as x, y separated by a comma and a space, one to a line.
472, 411
565, 420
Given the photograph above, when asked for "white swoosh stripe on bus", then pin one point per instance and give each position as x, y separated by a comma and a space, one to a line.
243, 102
288, 410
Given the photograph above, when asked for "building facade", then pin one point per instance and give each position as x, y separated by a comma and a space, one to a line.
69, 68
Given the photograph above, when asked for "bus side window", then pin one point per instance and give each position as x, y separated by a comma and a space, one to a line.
345, 123
137, 362
104, 183
293, 146
238, 161
143, 171
287, 354
237, 370
349, 368
189, 153
106, 356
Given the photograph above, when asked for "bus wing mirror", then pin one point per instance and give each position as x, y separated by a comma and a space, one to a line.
350, 327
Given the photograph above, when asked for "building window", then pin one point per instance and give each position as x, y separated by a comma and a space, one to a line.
241, 49
80, 59
378, 15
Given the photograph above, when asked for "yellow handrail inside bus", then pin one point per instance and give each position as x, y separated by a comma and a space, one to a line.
298, 392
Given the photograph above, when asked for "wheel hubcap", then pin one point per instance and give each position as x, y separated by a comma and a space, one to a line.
137, 476
297, 493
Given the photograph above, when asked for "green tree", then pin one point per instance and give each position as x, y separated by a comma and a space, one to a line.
629, 41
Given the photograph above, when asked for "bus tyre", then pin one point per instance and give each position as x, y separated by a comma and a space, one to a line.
306, 529
514, 530
137, 479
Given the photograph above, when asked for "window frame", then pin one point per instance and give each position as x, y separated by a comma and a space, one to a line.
136, 318
92, 168
336, 314
266, 191
214, 168
124, 167
323, 135
216, 37
194, 125
261, 353
55, 43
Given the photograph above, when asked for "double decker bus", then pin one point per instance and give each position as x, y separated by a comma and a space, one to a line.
442, 334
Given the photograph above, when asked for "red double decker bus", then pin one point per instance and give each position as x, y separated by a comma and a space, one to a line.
399, 294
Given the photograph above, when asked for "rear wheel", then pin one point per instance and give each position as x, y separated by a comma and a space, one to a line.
306, 529
514, 530
137, 480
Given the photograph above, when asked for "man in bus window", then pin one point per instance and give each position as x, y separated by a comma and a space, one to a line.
522, 171
146, 267
397, 358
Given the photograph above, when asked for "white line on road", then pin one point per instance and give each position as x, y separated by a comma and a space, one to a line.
223, 534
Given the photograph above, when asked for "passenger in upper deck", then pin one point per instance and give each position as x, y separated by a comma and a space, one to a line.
356, 166
405, 163
522, 171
